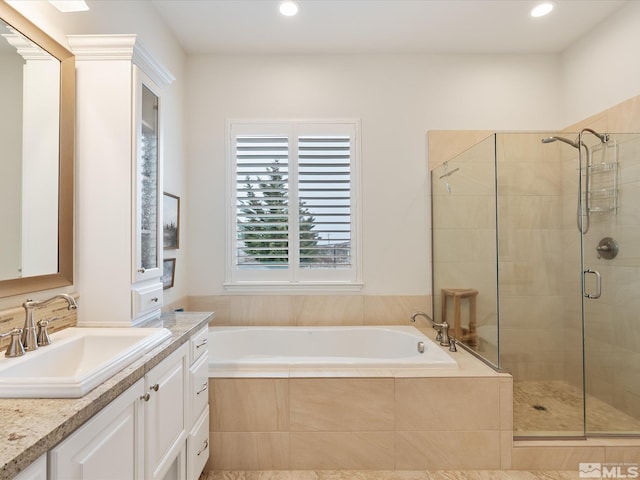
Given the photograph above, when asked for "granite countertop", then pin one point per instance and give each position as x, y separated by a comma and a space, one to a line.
32, 426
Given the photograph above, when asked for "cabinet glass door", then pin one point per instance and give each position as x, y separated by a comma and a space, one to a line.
148, 248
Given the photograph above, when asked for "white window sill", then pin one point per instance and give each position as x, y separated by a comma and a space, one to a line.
294, 288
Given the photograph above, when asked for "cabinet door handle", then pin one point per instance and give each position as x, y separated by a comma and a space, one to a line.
204, 448
146, 397
155, 387
205, 385
154, 299
141, 270
202, 343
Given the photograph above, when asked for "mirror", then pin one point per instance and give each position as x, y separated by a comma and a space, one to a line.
37, 94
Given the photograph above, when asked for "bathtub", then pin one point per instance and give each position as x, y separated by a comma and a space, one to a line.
241, 351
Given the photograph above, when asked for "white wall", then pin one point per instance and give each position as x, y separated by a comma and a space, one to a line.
602, 69
398, 99
141, 18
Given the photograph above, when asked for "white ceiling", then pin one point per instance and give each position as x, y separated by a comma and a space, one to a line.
380, 26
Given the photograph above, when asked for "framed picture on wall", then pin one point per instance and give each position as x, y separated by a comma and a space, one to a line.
170, 221
168, 272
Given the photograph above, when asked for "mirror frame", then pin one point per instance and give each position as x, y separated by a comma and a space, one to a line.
64, 276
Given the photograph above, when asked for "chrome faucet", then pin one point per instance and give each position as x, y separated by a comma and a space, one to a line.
441, 328
29, 334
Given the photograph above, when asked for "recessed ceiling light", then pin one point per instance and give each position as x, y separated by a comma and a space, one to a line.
70, 5
288, 8
542, 9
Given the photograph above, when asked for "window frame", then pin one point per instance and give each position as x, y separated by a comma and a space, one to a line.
293, 277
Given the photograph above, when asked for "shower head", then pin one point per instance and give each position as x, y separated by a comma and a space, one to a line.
573, 143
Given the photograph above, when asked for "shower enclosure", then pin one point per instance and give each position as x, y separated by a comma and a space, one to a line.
545, 227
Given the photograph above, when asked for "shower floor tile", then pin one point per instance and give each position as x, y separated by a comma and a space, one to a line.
554, 408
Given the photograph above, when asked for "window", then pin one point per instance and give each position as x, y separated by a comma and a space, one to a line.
293, 211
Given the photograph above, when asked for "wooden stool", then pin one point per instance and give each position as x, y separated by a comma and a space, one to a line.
461, 333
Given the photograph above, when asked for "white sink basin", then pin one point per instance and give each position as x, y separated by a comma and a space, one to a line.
78, 360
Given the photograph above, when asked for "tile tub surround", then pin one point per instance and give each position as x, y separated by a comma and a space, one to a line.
30, 427
378, 419
310, 310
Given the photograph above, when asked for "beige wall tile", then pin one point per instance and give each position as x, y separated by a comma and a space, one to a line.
338, 451
261, 310
506, 447
622, 454
219, 304
554, 458
445, 450
248, 405
264, 310
328, 309
248, 451
506, 403
339, 405
472, 211
447, 404
446, 144
178, 303
393, 309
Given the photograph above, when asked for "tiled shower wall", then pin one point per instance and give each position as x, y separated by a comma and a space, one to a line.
464, 238
290, 310
540, 299
531, 256
612, 324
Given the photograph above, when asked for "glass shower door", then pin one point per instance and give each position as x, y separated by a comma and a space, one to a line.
612, 292
540, 290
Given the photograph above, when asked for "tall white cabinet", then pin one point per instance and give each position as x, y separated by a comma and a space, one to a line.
118, 179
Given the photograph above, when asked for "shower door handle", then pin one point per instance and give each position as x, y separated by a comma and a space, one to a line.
598, 284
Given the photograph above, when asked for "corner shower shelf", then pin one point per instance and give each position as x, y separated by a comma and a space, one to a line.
602, 178
603, 168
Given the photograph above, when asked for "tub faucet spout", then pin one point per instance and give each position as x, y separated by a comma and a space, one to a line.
441, 328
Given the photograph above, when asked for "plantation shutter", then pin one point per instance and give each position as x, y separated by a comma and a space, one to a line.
292, 211
262, 201
324, 199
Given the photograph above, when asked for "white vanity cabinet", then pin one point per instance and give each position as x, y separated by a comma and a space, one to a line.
108, 446
198, 438
166, 416
119, 142
36, 471
140, 435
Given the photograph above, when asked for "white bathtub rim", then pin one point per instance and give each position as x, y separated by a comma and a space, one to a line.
469, 366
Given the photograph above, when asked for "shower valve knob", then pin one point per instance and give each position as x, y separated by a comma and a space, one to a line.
607, 248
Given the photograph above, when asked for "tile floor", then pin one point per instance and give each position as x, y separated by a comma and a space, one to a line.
391, 475
555, 407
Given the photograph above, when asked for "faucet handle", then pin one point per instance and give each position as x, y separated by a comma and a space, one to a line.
15, 348
43, 334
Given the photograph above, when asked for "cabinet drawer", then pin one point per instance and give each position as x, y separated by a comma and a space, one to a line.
198, 447
199, 386
199, 344
146, 299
